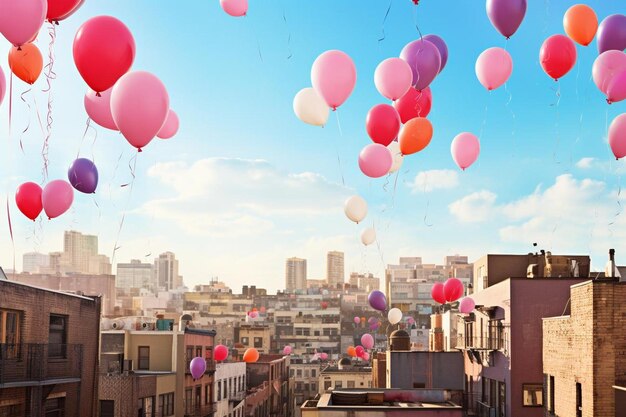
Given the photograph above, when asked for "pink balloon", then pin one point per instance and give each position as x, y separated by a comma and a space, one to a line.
359, 351
608, 65
366, 356
3, 85
20, 20
287, 350
236, 8
333, 76
357, 320
170, 127
382, 124
465, 149
494, 67
617, 136
467, 305
616, 91
367, 341
57, 198
323, 356
453, 289
393, 78
99, 108
139, 104
375, 160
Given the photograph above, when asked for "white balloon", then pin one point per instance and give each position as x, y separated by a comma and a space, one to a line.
310, 107
355, 208
398, 158
394, 315
368, 236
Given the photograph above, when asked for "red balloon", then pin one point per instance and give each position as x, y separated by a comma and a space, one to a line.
437, 293
28, 199
62, 9
557, 56
414, 104
382, 124
220, 353
359, 351
104, 50
453, 289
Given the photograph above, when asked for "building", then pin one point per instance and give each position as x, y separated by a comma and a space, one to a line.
135, 274
79, 249
335, 274
442, 336
166, 272
230, 389
584, 353
271, 371
366, 282
305, 376
295, 275
48, 352
33, 261
345, 375
253, 335
430, 370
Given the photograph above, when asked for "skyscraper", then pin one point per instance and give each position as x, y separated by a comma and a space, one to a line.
166, 272
33, 261
295, 274
334, 268
79, 249
135, 274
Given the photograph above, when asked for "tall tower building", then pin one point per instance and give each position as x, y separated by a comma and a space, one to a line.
334, 268
135, 274
295, 274
166, 272
79, 249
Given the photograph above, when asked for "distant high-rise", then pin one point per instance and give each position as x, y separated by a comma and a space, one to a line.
33, 261
367, 282
334, 268
166, 272
79, 248
295, 274
135, 274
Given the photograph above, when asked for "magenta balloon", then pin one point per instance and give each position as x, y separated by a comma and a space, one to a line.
20, 20
465, 149
323, 356
453, 289
393, 78
506, 15
382, 124
617, 88
414, 104
493, 67
359, 351
367, 341
608, 65
333, 76
366, 356
377, 300
197, 367
441, 46
170, 127
287, 350
425, 61
3, 85
220, 352
57, 198
99, 108
235, 8
437, 293
357, 320
139, 105
375, 160
611, 33
617, 136
467, 305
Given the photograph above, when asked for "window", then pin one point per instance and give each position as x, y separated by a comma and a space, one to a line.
55, 407
350, 384
219, 390
551, 394
306, 373
188, 401
143, 362
579, 400
13, 410
198, 352
313, 373
299, 373
146, 407
327, 385
166, 404
244, 341
188, 356
57, 336
207, 393
338, 384
258, 342
10, 333
107, 408
532, 395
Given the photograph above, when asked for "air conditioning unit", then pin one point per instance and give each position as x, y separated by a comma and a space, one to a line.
117, 325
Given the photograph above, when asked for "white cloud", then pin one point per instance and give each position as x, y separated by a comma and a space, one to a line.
475, 207
585, 163
435, 179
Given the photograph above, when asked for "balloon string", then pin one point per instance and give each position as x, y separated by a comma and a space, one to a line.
38, 115
10, 101
23, 98
258, 44
11, 231
427, 203
290, 52
343, 182
556, 122
87, 123
50, 75
132, 164
506, 89
117, 165
484, 124
382, 38
415, 22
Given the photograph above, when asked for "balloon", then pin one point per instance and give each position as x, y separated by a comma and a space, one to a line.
377, 300
606, 67
323, 356
104, 50
220, 352
333, 76
393, 78
557, 56
357, 320
415, 135
170, 127
57, 197
466, 305
139, 105
99, 108
617, 88
362, 320
493, 67
26, 62
425, 61
437, 293
612, 33
253, 314
83, 175
394, 315
375, 160
359, 350
465, 149
62, 9
365, 356
367, 341
394, 148
251, 355
382, 124
506, 15
236, 8
20, 20
410, 320
324, 305
414, 104
368, 236
355, 208
310, 107
351, 351
617, 136
3, 85
441, 47
287, 350
580, 23
197, 367
28, 199
453, 289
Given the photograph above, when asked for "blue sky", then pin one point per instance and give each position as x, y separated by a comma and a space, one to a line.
245, 184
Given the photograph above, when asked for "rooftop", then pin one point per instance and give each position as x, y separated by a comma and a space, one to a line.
397, 399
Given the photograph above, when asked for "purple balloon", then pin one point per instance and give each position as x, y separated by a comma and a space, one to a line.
377, 300
441, 47
83, 175
612, 33
197, 367
425, 61
506, 15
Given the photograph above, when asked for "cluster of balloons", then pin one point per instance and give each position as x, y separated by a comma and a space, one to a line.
253, 314
358, 352
197, 367
251, 355
235, 8
447, 292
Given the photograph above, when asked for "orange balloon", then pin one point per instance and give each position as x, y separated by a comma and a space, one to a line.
26, 63
251, 355
580, 23
351, 351
415, 135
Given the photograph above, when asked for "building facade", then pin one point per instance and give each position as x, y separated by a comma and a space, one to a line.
272, 371
295, 274
135, 274
344, 375
335, 274
33, 261
166, 272
230, 389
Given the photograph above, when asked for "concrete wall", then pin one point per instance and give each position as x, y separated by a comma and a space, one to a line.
160, 344
432, 369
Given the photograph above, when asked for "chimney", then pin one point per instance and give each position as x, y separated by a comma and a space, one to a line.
612, 262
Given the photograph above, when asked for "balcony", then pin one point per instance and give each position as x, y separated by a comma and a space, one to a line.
485, 410
481, 343
31, 364
205, 410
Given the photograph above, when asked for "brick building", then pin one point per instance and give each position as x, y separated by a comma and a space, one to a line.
272, 370
48, 352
